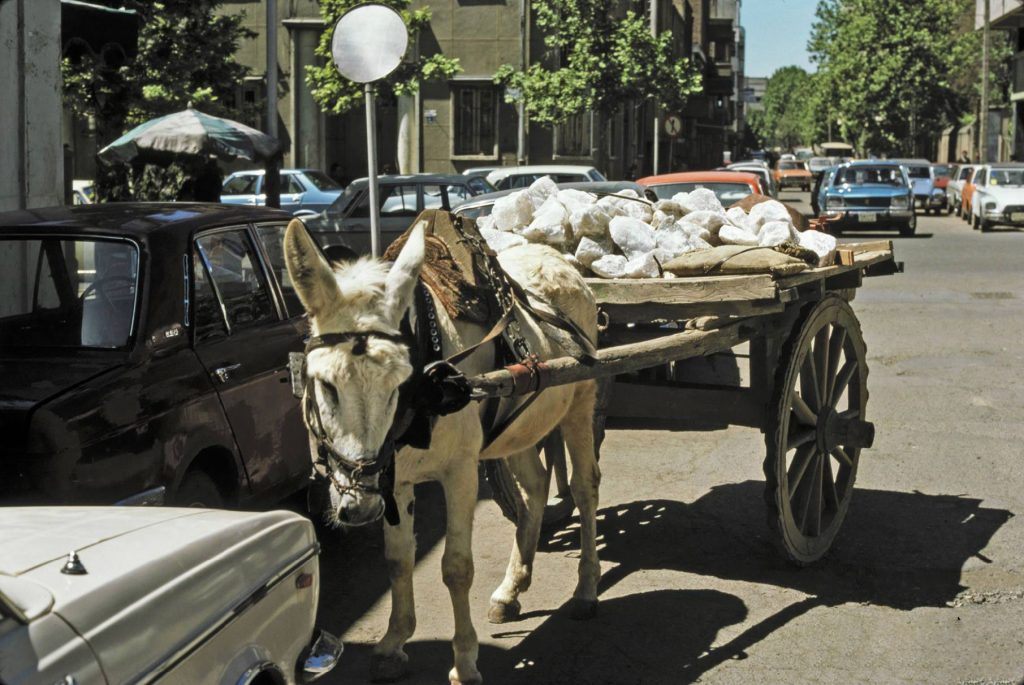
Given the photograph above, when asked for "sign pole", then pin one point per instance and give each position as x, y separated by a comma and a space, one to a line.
371, 175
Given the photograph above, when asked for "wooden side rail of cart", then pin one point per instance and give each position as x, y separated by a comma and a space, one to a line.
803, 383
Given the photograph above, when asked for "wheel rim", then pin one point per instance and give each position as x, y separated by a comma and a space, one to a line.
813, 472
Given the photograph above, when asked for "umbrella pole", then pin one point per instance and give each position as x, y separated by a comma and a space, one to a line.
272, 181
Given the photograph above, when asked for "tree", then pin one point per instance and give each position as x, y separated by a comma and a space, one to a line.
336, 94
600, 57
185, 55
887, 69
789, 117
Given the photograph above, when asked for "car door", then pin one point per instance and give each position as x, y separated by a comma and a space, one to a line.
240, 189
242, 337
292, 192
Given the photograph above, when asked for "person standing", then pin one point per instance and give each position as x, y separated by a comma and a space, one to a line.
964, 158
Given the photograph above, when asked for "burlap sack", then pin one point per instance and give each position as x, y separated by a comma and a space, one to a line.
734, 259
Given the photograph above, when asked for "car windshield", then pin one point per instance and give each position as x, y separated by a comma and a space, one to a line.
918, 172
321, 180
342, 202
791, 165
727, 193
941, 170
72, 293
865, 175
240, 185
1006, 177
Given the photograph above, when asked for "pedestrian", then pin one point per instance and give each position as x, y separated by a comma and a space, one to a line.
964, 158
208, 182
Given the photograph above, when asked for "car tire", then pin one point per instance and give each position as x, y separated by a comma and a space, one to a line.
984, 226
197, 489
909, 228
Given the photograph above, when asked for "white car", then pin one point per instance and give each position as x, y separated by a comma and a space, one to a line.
522, 176
137, 594
955, 186
998, 196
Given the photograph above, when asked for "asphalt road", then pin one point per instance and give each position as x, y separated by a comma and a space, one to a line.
925, 583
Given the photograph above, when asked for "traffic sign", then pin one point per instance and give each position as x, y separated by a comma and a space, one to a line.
673, 125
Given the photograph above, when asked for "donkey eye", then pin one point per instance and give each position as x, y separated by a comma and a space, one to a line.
330, 392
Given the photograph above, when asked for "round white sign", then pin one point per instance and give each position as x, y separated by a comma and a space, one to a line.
673, 125
369, 42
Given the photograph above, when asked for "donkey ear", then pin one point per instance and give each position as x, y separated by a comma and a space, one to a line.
311, 275
401, 281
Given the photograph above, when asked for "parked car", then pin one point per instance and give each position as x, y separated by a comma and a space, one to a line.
763, 173
479, 170
161, 595
83, 192
728, 186
821, 183
793, 173
998, 196
481, 205
145, 350
522, 176
302, 190
955, 186
344, 227
818, 165
869, 194
926, 195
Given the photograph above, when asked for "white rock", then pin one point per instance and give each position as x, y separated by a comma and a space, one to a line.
589, 251
736, 216
592, 221
680, 199
822, 244
610, 266
483, 222
711, 221
512, 211
633, 236
733, 235
643, 266
501, 240
701, 199
668, 274
695, 230
660, 218
771, 210
776, 232
576, 199
548, 225
670, 207
611, 206
540, 190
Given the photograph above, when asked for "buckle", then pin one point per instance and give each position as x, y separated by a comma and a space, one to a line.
444, 390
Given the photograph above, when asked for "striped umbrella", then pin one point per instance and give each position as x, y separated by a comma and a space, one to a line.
190, 132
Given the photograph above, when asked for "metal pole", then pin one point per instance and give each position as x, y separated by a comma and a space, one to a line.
272, 67
521, 106
371, 171
983, 127
657, 119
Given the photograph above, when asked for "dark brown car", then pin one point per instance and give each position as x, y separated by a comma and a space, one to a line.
144, 354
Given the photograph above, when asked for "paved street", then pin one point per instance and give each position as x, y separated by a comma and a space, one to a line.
924, 584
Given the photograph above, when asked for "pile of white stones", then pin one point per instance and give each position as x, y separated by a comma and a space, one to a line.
626, 236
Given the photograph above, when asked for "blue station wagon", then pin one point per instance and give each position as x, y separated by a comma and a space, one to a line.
869, 194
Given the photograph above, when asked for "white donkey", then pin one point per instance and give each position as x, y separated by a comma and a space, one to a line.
356, 385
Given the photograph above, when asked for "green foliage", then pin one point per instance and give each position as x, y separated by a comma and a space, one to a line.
891, 72
335, 94
792, 110
185, 54
600, 57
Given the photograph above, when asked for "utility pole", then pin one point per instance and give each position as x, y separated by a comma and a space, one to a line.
983, 126
657, 119
272, 181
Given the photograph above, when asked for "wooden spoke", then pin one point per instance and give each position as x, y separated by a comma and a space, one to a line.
803, 412
840, 454
809, 388
850, 414
835, 354
816, 497
821, 361
801, 460
842, 381
831, 493
801, 438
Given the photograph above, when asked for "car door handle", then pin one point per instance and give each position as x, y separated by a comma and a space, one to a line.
223, 373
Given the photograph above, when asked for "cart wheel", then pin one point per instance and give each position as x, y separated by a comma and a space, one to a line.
816, 430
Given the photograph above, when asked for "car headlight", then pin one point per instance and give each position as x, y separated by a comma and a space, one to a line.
899, 202
989, 206
833, 203
938, 191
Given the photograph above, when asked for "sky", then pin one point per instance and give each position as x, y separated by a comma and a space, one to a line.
776, 33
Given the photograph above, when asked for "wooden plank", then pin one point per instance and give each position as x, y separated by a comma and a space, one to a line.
613, 361
868, 246
861, 261
659, 311
687, 290
844, 256
686, 407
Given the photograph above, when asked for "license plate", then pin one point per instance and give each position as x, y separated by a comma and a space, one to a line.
1017, 216
867, 217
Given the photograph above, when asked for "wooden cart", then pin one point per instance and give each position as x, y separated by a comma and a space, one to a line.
785, 355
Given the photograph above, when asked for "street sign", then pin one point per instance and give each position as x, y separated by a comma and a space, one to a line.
673, 125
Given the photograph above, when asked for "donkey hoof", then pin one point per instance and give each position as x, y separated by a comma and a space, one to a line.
388, 668
472, 678
582, 609
503, 613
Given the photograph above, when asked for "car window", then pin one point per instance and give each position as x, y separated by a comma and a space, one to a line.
240, 185
207, 315
432, 196
918, 172
458, 193
596, 175
398, 200
979, 177
237, 280
964, 173
321, 181
272, 239
727, 193
885, 175
1006, 177
290, 184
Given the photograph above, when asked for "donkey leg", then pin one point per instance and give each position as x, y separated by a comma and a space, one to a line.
578, 429
460, 494
531, 478
389, 661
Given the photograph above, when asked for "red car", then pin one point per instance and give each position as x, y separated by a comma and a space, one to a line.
728, 186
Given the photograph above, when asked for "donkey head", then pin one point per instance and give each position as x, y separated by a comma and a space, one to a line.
353, 384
